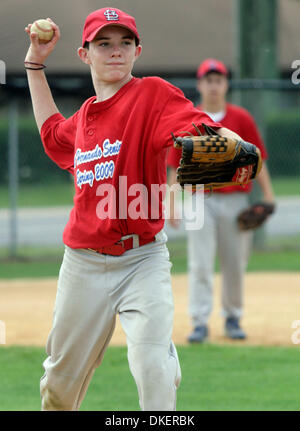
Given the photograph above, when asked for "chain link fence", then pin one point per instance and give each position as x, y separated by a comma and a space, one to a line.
36, 196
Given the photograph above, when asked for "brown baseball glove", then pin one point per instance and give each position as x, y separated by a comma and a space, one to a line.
255, 215
215, 161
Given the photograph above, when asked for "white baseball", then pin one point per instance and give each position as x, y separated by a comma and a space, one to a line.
44, 30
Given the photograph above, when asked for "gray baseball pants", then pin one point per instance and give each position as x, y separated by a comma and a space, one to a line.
219, 234
92, 289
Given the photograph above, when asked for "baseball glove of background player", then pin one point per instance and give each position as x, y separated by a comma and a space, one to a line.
255, 215
216, 161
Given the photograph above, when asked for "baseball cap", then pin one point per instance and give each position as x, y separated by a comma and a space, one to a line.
211, 65
101, 18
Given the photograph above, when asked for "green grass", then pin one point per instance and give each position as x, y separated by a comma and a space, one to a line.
275, 261
286, 186
284, 243
33, 269
32, 262
59, 194
214, 378
62, 193
268, 260
43, 262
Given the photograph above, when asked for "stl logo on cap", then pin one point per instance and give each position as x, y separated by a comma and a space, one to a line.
111, 15
213, 64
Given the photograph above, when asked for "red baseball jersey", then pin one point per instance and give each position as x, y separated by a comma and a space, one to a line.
116, 149
240, 121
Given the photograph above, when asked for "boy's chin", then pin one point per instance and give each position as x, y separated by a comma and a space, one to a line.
115, 76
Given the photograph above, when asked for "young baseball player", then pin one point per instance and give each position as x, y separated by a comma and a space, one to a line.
116, 260
220, 231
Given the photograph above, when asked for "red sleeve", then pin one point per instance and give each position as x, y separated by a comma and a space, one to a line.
58, 137
248, 131
174, 157
251, 134
177, 115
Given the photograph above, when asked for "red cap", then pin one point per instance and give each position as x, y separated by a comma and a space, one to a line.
211, 65
101, 18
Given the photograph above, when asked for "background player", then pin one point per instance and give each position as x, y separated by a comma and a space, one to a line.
220, 232
114, 262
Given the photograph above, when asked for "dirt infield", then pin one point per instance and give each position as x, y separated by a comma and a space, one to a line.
272, 303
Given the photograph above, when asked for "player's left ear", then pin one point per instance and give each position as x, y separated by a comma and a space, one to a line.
138, 51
